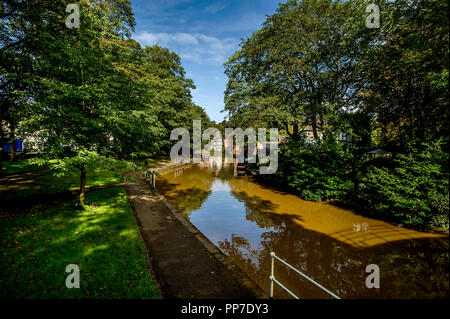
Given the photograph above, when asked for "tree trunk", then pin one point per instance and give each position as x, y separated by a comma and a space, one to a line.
13, 146
322, 129
82, 187
295, 132
355, 179
13, 151
316, 135
286, 125
1, 148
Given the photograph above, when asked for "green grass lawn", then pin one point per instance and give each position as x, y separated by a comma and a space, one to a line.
37, 245
19, 166
39, 239
42, 181
152, 162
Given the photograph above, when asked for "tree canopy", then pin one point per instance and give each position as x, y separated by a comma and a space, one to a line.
314, 61
90, 90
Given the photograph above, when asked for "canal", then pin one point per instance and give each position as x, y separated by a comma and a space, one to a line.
330, 244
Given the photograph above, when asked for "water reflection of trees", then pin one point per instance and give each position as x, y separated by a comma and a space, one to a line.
196, 185
409, 269
260, 211
226, 173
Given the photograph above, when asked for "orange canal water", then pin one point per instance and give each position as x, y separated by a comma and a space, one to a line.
330, 244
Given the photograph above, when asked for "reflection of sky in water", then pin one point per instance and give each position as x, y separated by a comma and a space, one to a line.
222, 212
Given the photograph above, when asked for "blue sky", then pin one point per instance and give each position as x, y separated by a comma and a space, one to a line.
204, 33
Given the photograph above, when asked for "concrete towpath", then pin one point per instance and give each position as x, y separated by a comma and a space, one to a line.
185, 263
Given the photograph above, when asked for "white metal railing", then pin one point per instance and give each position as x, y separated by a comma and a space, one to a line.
272, 278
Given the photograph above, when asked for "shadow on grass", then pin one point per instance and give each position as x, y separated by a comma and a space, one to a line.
102, 240
22, 191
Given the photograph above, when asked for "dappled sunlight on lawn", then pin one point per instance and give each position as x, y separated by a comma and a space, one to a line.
91, 250
44, 182
102, 240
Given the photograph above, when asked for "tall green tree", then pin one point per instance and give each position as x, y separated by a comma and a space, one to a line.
20, 22
301, 68
162, 98
93, 96
78, 103
406, 76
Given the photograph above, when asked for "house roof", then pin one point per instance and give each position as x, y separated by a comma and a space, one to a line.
310, 128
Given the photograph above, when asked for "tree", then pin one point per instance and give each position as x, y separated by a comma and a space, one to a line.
20, 22
301, 68
162, 98
77, 103
96, 98
406, 77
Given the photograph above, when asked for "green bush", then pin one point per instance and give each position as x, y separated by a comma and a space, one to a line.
440, 205
315, 172
411, 188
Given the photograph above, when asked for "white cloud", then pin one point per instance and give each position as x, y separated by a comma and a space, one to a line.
192, 46
166, 38
215, 7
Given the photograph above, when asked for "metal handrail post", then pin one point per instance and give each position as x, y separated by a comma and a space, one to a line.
272, 275
272, 278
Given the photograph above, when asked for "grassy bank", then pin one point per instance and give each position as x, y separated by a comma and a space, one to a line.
44, 234
19, 166
23, 179
102, 240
